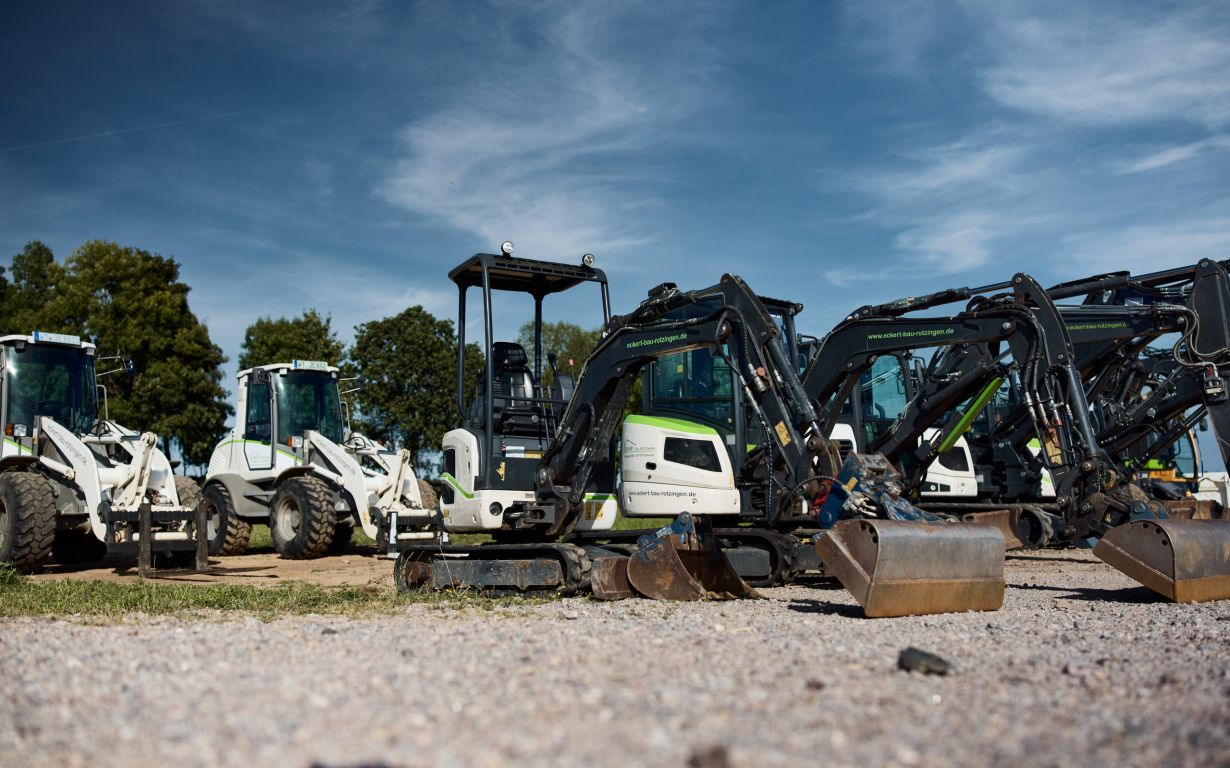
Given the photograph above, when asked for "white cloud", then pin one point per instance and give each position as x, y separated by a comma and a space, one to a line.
1111, 63
1151, 247
951, 244
1053, 174
1178, 154
550, 147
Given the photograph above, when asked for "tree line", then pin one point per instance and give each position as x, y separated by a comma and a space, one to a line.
133, 303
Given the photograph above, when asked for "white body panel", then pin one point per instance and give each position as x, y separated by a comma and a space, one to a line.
470, 510
1214, 486
951, 482
652, 486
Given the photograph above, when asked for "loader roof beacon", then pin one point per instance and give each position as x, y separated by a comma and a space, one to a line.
292, 461
74, 486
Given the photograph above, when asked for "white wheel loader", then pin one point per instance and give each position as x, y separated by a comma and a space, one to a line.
76, 487
292, 463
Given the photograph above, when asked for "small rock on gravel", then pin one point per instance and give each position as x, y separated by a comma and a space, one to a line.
915, 660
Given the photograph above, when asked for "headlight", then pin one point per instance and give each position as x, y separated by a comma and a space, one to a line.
20, 430
507, 247
588, 259
296, 441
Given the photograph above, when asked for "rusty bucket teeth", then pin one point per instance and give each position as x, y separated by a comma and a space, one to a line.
680, 563
896, 568
1187, 561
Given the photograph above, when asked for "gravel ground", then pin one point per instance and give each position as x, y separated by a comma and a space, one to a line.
1079, 668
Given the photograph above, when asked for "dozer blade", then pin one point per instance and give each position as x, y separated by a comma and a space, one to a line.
896, 568
680, 563
1187, 561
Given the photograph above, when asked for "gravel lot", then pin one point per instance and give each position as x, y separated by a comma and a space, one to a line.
1079, 668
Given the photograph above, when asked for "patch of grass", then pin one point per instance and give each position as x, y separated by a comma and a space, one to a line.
636, 523
20, 596
262, 542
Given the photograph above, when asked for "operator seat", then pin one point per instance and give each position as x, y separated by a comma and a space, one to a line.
515, 410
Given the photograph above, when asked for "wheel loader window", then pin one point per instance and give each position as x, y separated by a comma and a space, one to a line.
56, 382
257, 424
692, 453
308, 400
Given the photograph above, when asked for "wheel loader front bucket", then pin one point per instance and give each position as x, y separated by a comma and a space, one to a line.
896, 568
680, 563
1187, 561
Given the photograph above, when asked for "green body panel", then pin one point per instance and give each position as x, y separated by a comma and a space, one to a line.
679, 425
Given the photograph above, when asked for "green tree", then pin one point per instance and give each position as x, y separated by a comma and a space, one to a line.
308, 337
132, 303
36, 279
571, 343
408, 365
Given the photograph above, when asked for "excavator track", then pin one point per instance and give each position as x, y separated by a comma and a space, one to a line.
761, 557
494, 569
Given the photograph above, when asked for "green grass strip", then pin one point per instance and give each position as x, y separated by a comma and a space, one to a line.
21, 596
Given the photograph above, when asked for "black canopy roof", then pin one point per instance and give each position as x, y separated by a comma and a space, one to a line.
509, 273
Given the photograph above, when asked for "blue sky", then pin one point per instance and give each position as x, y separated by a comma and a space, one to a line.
294, 156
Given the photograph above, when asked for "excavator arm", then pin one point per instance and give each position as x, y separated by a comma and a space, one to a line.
739, 330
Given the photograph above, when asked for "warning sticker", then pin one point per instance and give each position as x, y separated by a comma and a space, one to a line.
783, 434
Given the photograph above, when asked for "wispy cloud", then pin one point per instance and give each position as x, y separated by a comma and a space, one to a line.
949, 203
1044, 164
1110, 63
1178, 154
1155, 246
951, 244
551, 146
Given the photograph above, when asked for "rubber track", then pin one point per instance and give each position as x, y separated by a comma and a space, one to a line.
237, 532
781, 544
35, 519
572, 559
320, 534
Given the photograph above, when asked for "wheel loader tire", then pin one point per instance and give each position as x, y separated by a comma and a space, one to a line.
302, 518
431, 499
231, 534
189, 494
76, 546
342, 533
27, 520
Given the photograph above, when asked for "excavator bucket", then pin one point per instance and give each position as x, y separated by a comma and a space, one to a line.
680, 563
1003, 519
1187, 561
897, 568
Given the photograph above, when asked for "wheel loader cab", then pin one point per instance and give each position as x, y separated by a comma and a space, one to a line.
507, 416
280, 403
48, 375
